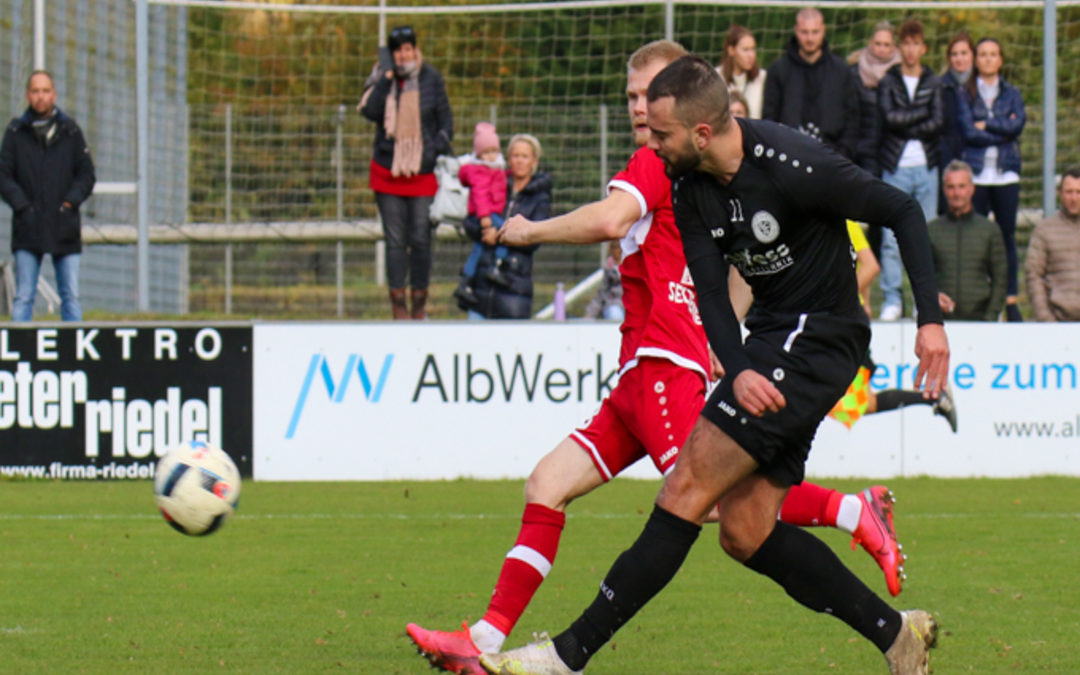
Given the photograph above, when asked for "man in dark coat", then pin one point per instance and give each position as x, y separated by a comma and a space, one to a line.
913, 117
45, 174
811, 89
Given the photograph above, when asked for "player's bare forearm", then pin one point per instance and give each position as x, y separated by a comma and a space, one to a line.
932, 348
604, 220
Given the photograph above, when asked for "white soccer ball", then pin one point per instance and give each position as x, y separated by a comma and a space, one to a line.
196, 487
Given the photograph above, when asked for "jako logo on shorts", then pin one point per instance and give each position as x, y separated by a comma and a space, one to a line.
335, 390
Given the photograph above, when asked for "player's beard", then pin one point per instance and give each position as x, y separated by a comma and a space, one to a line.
682, 164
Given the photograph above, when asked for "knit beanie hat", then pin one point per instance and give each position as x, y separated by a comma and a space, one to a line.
484, 138
400, 36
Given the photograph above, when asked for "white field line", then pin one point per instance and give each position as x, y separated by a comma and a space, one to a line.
1034, 515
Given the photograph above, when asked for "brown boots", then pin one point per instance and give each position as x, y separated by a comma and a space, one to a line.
397, 303
419, 302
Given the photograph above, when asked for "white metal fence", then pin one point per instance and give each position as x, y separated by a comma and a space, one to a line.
246, 113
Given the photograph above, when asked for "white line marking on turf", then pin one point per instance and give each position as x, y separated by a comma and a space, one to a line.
371, 515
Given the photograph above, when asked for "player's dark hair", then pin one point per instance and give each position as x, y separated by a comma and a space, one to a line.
700, 95
912, 28
1071, 172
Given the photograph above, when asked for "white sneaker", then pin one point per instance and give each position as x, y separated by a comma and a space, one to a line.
890, 313
910, 653
535, 658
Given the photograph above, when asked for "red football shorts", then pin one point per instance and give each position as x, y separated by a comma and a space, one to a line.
650, 412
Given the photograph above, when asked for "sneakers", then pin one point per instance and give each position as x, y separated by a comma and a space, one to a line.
891, 313
945, 407
910, 652
876, 534
535, 658
454, 651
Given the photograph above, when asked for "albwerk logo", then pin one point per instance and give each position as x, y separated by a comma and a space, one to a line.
335, 391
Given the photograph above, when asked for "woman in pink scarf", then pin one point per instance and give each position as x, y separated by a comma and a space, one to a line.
414, 126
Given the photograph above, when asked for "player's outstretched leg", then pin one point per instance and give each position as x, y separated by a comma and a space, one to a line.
564, 474
523, 570
877, 535
910, 652
821, 582
637, 575
868, 516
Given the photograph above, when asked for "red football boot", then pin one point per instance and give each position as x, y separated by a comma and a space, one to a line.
453, 651
876, 534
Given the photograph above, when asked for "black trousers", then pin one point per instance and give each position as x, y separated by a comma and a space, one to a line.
407, 232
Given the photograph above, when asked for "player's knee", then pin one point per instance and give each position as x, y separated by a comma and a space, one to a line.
539, 489
739, 538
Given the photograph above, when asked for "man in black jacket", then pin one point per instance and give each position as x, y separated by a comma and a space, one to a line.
45, 174
811, 89
913, 117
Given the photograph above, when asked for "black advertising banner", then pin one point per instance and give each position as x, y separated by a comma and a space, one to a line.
105, 401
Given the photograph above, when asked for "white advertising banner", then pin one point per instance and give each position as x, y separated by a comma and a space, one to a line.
1015, 388
380, 401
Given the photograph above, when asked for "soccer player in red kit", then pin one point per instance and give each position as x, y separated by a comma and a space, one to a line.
664, 370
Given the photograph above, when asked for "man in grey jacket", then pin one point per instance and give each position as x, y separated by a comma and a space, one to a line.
1053, 257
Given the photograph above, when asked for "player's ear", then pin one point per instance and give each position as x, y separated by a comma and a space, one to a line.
702, 134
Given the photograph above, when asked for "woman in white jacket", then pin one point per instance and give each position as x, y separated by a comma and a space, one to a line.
739, 67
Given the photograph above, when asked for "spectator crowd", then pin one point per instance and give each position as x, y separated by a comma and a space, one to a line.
950, 139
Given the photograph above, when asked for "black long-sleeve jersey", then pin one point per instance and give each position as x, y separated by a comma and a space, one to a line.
781, 222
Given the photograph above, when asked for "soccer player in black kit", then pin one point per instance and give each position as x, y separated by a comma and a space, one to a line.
773, 203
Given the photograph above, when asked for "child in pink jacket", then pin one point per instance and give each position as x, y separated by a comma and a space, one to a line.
485, 176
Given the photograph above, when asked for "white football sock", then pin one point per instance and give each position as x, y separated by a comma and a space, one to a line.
847, 517
487, 638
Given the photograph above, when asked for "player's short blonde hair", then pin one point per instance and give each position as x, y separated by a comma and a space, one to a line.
657, 50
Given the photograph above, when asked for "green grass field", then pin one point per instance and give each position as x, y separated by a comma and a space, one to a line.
324, 577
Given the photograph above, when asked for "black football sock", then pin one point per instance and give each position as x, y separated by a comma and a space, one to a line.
637, 575
892, 399
812, 574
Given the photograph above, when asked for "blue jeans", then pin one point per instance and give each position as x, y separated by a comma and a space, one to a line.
27, 270
469, 270
921, 183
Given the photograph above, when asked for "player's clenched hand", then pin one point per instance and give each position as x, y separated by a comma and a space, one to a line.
515, 232
756, 394
932, 348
